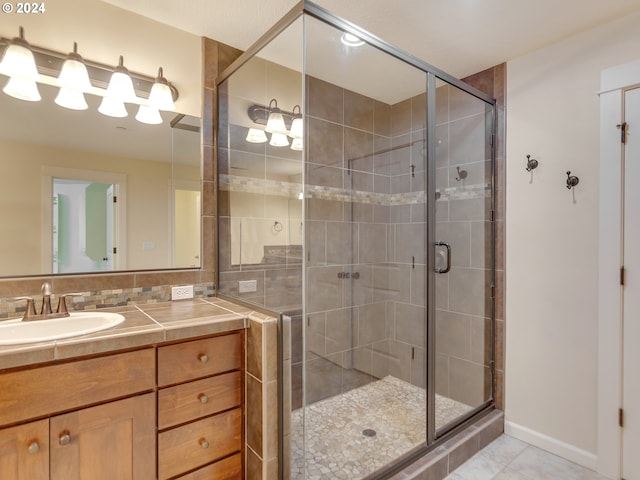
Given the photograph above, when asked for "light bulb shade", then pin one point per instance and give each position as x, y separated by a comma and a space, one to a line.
148, 114
256, 135
74, 76
112, 107
161, 98
22, 89
275, 123
72, 99
279, 140
18, 61
296, 128
296, 144
121, 87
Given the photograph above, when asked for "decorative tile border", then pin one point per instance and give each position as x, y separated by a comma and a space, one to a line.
98, 299
233, 183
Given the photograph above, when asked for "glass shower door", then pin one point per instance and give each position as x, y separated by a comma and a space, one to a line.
463, 250
365, 258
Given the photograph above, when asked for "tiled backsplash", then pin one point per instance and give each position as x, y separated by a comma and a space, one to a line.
97, 299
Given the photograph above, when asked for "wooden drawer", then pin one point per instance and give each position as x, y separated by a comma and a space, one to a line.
227, 469
195, 444
42, 391
186, 402
186, 361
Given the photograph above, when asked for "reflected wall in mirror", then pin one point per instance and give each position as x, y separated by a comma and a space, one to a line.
149, 173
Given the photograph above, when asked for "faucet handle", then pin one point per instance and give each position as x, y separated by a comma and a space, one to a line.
31, 307
62, 302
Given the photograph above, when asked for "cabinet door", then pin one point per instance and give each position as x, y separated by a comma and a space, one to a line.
114, 440
24, 451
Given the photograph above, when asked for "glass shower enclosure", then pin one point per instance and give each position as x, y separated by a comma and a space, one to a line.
355, 197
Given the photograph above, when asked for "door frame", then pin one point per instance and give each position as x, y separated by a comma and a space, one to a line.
120, 221
614, 82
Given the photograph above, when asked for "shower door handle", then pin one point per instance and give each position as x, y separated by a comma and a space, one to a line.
448, 266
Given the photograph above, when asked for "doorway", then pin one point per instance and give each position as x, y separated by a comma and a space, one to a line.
619, 233
630, 421
84, 220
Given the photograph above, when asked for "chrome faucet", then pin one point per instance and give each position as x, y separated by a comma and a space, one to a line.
45, 310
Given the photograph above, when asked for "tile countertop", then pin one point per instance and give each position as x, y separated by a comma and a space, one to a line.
146, 324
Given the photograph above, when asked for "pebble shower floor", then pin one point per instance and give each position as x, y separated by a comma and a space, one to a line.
340, 440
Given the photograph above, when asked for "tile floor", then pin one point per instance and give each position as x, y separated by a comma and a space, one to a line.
336, 446
509, 459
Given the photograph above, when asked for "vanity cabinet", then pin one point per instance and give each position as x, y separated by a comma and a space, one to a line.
87, 429
199, 409
24, 451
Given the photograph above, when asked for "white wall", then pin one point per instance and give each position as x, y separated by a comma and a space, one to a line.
552, 238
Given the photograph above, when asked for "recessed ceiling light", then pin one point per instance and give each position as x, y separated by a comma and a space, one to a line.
351, 40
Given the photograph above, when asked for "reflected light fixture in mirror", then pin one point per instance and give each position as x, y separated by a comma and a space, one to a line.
279, 140
256, 135
149, 115
275, 122
296, 123
112, 107
19, 65
296, 144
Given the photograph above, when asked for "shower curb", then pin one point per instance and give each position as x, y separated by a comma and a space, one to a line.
442, 461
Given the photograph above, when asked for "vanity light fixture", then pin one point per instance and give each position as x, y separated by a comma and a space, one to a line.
350, 40
19, 64
27, 64
73, 82
160, 97
256, 135
121, 85
275, 122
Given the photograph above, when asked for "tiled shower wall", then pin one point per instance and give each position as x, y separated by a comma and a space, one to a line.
365, 219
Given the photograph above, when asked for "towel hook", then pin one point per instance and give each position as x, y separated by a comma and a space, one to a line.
532, 163
572, 180
277, 226
462, 174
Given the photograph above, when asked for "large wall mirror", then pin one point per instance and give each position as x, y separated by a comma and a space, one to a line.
83, 192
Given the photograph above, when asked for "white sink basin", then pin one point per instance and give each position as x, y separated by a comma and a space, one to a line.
14, 332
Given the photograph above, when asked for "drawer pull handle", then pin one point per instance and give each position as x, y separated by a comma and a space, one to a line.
204, 443
64, 438
203, 358
203, 398
33, 448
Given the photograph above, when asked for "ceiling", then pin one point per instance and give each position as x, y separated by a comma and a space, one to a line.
460, 37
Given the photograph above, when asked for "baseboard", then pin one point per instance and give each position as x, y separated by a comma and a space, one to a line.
552, 445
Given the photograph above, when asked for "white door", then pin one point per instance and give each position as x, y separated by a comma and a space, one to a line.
631, 289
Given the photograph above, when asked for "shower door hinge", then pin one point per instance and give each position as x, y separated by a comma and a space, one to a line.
621, 417
493, 139
622, 275
115, 250
115, 199
493, 291
623, 131
493, 215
